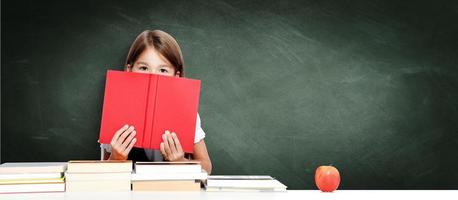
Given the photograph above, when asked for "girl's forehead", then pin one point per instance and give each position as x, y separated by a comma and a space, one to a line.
152, 58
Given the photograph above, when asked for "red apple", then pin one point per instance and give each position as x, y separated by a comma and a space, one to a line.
327, 178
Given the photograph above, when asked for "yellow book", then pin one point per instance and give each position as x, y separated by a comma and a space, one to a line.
31, 181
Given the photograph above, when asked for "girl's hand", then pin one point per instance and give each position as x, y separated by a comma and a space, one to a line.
122, 142
171, 147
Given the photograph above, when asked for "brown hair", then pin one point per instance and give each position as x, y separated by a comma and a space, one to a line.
163, 43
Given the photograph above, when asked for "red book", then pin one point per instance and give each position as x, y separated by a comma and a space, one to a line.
152, 104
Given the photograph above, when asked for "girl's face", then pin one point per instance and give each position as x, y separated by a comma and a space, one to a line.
151, 62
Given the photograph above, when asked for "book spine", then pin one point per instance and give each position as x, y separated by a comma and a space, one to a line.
150, 110
141, 136
151, 144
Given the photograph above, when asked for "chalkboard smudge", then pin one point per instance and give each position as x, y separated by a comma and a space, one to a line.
40, 138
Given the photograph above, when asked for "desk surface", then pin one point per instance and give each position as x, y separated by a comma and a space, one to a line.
290, 194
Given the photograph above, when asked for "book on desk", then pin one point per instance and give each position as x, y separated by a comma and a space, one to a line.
107, 176
21, 177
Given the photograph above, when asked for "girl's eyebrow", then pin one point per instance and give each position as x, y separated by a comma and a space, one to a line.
144, 63
165, 65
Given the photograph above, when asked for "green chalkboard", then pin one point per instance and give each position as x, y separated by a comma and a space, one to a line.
370, 87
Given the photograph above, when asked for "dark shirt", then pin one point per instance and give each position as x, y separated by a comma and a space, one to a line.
139, 154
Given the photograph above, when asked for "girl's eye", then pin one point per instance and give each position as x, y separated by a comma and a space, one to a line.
163, 71
143, 68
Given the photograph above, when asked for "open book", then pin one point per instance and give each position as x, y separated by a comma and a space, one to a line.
152, 104
244, 183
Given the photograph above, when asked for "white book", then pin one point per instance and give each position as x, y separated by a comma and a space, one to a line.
32, 167
170, 176
227, 189
167, 167
98, 186
26, 176
97, 166
97, 176
25, 188
244, 182
240, 177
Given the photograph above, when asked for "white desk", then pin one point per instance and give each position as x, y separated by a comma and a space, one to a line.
290, 194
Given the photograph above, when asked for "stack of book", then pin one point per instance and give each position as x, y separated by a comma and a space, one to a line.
243, 183
88, 176
168, 176
24, 177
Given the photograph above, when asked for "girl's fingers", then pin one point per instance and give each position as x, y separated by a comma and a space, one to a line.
177, 142
172, 146
131, 145
118, 133
128, 140
166, 145
124, 135
163, 151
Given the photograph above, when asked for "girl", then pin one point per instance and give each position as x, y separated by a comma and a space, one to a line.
156, 52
